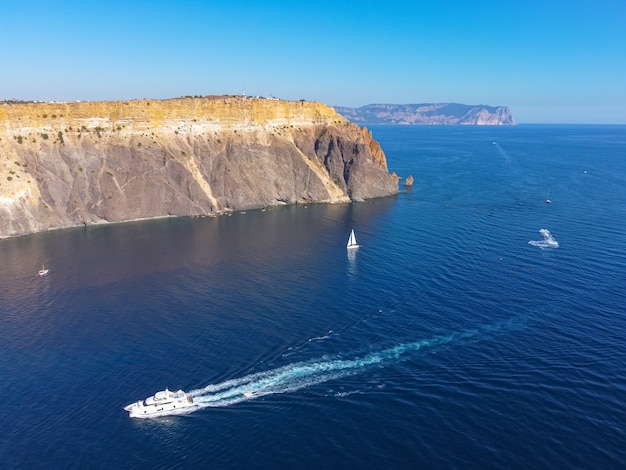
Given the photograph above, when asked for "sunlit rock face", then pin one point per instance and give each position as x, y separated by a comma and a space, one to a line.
83, 163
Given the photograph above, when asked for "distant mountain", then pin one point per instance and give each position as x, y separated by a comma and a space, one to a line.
429, 113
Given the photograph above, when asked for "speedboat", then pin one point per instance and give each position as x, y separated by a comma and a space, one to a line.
161, 403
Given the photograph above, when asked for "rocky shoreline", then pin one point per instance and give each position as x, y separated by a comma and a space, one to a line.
69, 164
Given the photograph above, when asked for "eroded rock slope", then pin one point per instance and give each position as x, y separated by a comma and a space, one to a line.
69, 164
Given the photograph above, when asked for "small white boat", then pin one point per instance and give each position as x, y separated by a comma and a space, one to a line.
43, 271
548, 201
352, 241
161, 403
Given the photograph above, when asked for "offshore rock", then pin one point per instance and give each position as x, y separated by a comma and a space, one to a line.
84, 163
429, 113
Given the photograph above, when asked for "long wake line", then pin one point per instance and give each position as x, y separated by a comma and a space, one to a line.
300, 375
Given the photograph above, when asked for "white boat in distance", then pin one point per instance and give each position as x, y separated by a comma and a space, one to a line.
352, 241
161, 403
43, 271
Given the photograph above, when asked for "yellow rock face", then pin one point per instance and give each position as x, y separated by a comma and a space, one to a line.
68, 164
227, 110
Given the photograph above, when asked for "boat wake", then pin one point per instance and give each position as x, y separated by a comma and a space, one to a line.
547, 242
502, 152
295, 349
304, 374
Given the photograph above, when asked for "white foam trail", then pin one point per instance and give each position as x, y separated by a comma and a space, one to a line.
502, 152
292, 350
299, 375
547, 242
320, 338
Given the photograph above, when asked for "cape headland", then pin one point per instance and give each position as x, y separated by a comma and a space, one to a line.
429, 114
83, 163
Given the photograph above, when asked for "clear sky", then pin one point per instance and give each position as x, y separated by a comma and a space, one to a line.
551, 61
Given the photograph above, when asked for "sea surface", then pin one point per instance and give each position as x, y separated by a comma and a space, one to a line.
457, 336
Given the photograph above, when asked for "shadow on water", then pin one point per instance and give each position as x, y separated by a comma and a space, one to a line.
101, 255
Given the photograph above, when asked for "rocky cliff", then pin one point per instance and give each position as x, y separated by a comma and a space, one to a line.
69, 164
429, 113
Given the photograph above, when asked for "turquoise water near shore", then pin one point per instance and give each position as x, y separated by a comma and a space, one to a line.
446, 340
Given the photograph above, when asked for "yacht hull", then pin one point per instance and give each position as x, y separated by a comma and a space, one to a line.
162, 403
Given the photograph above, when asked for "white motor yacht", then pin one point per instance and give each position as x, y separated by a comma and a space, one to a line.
162, 403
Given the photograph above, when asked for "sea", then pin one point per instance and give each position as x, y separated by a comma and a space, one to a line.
477, 326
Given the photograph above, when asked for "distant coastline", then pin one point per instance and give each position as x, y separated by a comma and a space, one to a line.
429, 114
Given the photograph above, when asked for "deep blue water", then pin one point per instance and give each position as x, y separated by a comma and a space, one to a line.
446, 341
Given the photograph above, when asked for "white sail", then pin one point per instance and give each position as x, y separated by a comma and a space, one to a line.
352, 240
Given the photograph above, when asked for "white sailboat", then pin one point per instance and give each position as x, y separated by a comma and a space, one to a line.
548, 201
352, 241
43, 271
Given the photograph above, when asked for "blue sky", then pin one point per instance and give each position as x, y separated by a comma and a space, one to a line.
551, 61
